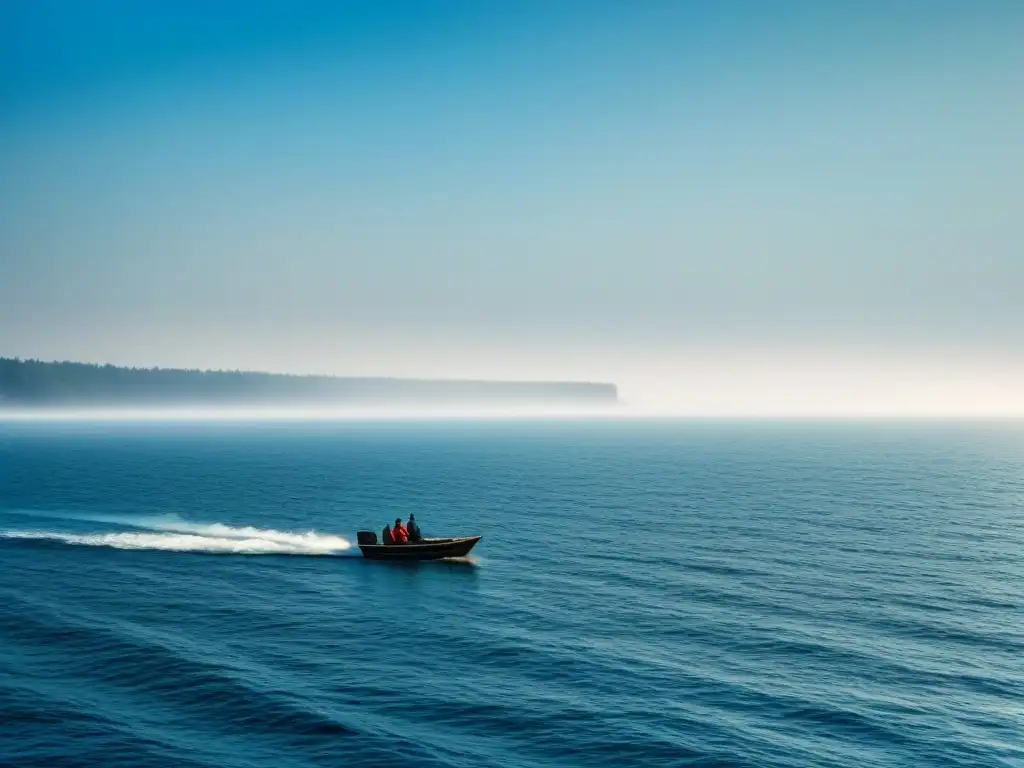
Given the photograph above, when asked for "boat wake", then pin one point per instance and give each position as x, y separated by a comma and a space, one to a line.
175, 535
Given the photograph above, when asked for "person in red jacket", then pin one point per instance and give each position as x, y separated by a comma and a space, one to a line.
398, 533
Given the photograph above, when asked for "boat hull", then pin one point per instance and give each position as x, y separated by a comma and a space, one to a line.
431, 549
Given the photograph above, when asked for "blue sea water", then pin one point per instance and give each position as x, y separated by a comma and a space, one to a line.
645, 594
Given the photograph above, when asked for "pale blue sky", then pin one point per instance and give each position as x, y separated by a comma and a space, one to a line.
724, 207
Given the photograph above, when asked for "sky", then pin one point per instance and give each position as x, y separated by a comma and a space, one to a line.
727, 208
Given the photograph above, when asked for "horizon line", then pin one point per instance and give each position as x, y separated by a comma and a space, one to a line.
343, 415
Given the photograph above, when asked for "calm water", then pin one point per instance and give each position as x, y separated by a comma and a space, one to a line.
746, 594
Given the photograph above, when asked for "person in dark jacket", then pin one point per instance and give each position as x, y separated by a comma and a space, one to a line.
414, 529
386, 537
398, 533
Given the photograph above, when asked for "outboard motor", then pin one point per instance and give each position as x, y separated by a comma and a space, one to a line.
366, 537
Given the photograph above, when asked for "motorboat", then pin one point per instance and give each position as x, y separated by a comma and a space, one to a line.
424, 549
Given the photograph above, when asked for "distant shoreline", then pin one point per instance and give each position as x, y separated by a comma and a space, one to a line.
38, 385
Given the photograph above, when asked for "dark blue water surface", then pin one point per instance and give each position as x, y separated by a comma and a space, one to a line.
648, 594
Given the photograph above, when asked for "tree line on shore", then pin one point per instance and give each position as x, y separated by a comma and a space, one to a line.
36, 382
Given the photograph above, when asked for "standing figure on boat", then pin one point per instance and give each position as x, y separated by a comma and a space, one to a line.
413, 529
399, 533
386, 537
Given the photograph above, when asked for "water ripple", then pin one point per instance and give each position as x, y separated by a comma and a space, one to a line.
648, 595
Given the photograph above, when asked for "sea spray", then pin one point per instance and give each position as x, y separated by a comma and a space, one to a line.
212, 539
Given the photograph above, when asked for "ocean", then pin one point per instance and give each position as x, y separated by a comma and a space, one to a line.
646, 593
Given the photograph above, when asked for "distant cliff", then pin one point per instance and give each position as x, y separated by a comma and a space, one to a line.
35, 384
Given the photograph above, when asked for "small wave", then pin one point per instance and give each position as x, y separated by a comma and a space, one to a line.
214, 539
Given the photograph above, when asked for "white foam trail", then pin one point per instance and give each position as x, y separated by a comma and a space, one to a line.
216, 539
302, 541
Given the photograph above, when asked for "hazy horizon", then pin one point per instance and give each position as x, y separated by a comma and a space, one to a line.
724, 209
916, 403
